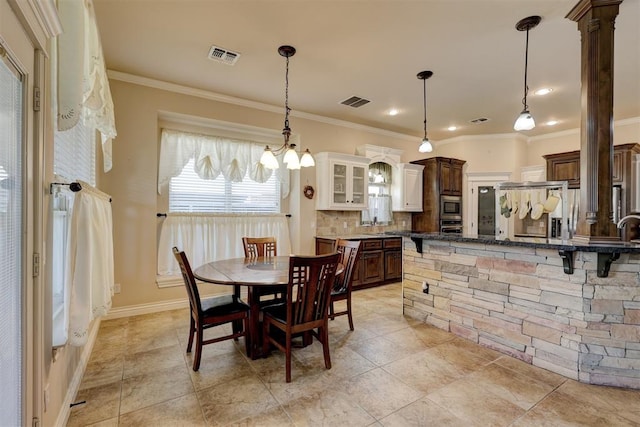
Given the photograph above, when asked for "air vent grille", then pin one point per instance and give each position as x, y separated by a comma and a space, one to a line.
223, 55
479, 120
355, 102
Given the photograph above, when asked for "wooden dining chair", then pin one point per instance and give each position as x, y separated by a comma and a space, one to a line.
209, 312
350, 251
264, 246
259, 246
306, 307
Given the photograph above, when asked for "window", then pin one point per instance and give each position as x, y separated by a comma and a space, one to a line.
190, 193
74, 154
73, 159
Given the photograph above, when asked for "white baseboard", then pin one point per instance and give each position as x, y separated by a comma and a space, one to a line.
72, 390
135, 310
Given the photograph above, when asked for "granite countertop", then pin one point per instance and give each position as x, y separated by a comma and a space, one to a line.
568, 245
363, 236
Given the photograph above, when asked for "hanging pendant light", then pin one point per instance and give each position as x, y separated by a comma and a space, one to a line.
290, 159
425, 145
525, 119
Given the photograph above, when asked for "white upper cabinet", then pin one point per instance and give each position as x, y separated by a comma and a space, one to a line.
342, 181
406, 188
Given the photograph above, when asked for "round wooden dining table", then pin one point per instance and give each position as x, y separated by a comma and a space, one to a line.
252, 273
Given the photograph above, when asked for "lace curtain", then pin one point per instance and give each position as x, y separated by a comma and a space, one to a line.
90, 261
83, 87
232, 158
209, 237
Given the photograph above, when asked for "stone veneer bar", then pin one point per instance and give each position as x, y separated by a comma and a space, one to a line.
517, 299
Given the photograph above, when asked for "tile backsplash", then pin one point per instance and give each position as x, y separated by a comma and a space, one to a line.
331, 223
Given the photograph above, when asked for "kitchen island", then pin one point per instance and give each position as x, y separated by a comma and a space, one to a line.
572, 309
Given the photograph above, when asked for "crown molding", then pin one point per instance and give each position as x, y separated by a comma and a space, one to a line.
200, 93
497, 136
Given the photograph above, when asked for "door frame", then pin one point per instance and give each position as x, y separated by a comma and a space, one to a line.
30, 24
482, 179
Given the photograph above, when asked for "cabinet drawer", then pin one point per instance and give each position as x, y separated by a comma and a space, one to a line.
371, 244
392, 243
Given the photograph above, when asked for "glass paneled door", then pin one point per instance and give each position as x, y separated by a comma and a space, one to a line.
17, 312
11, 212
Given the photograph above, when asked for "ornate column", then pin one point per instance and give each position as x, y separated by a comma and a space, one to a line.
596, 20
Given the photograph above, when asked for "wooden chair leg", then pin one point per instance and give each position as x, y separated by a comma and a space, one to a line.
324, 333
247, 341
288, 357
198, 355
236, 326
192, 330
265, 338
349, 312
331, 312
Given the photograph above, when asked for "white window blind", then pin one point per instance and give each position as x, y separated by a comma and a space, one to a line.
11, 230
74, 154
190, 193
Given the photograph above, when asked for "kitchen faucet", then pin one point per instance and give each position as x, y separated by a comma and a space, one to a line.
625, 219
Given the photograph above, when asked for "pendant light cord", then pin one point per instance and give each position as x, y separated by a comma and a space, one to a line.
424, 100
526, 67
286, 131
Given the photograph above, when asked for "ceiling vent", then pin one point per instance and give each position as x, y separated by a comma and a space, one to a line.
223, 55
479, 120
355, 102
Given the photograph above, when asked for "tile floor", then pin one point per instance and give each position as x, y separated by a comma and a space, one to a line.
390, 371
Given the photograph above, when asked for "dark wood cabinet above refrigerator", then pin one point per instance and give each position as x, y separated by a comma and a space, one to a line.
442, 176
624, 171
566, 166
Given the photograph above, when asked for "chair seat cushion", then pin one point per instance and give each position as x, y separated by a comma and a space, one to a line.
277, 311
227, 304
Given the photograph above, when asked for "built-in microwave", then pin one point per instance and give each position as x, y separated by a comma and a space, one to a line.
451, 208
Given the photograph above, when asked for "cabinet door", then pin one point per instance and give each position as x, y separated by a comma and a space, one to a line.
348, 186
412, 190
372, 266
358, 186
445, 177
325, 246
565, 168
455, 185
339, 183
618, 167
393, 265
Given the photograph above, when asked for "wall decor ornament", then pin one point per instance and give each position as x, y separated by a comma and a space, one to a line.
308, 192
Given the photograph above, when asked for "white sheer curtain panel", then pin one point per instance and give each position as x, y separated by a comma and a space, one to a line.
60, 220
209, 237
91, 261
213, 155
83, 87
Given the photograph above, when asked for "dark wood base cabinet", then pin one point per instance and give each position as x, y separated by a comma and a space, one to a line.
380, 262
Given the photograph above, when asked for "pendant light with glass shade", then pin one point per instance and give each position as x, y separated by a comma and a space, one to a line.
425, 145
268, 159
525, 119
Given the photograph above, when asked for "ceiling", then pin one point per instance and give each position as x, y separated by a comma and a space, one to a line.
374, 49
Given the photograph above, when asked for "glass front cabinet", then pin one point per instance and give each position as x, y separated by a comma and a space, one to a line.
342, 181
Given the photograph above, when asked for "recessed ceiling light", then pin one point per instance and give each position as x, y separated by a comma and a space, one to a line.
452, 128
543, 91
393, 112
551, 123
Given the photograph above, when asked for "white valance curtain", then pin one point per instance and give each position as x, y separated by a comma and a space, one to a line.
210, 237
213, 155
83, 87
90, 261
